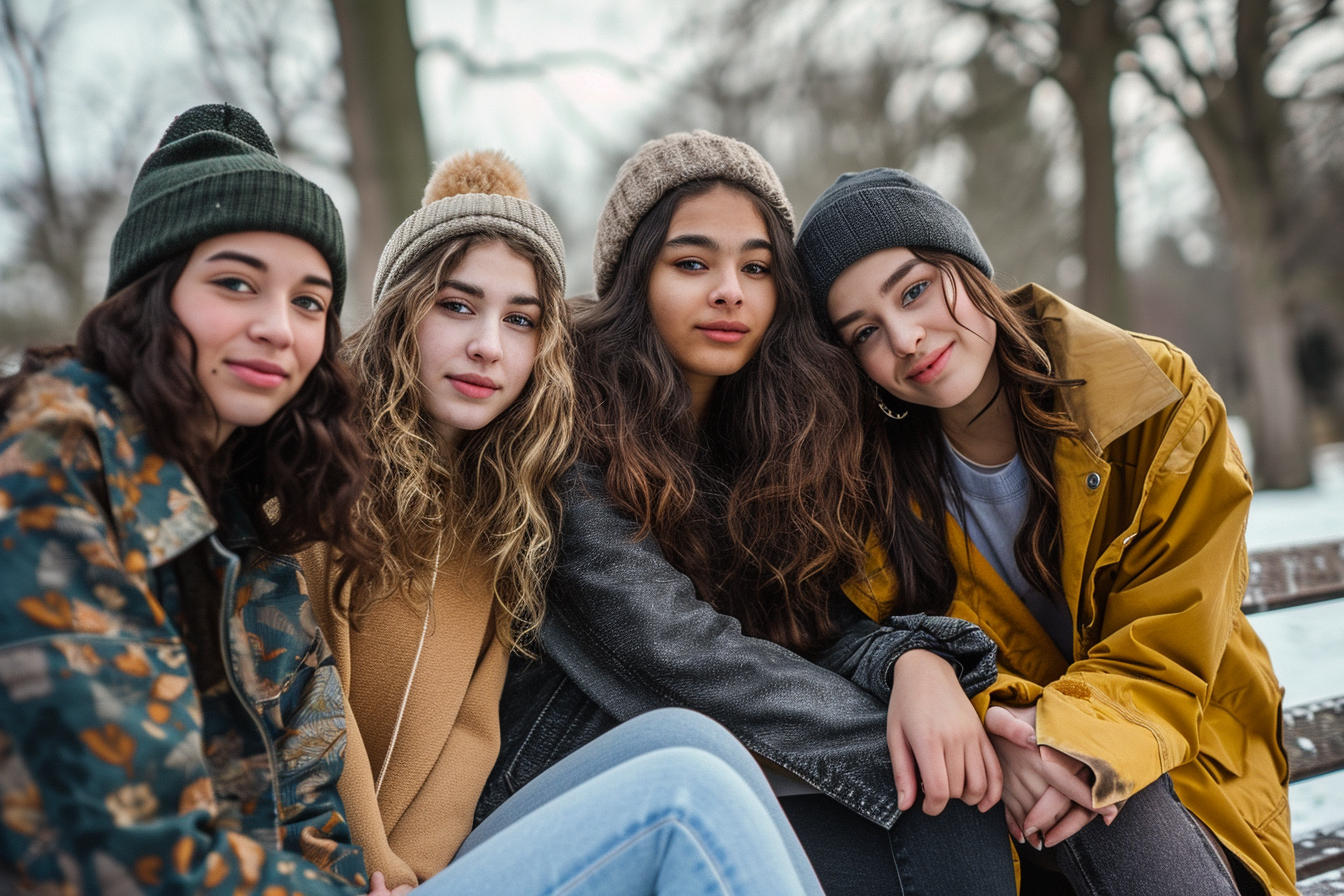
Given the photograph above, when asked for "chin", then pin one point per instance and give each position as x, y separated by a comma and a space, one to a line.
248, 417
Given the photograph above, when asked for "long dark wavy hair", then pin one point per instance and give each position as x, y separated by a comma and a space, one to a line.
308, 458
764, 504
909, 465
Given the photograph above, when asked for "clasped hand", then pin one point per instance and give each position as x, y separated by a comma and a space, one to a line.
1047, 795
936, 739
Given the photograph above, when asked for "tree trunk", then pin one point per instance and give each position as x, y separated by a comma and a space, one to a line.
389, 162
1090, 39
1243, 136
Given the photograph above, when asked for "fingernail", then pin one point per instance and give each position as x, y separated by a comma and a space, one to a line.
1039, 846
1029, 831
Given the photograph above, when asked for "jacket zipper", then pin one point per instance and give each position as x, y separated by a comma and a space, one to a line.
226, 611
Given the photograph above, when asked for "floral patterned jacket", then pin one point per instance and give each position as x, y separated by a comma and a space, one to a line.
111, 760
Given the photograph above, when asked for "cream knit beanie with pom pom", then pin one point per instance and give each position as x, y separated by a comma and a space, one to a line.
468, 193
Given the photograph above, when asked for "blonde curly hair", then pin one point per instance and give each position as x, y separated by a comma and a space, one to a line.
493, 494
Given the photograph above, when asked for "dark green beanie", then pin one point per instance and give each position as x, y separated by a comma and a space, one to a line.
216, 172
881, 208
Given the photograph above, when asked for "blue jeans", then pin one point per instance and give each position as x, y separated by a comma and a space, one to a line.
667, 803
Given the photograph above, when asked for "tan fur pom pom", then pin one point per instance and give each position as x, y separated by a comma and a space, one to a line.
486, 171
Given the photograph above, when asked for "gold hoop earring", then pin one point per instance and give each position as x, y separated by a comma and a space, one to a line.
882, 405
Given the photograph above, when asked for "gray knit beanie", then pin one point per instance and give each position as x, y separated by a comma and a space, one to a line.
216, 172
661, 166
468, 193
881, 208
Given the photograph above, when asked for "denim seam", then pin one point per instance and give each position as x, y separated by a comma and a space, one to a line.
639, 834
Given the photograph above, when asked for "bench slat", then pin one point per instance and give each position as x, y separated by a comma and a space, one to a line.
1313, 735
1320, 852
1291, 577
1329, 887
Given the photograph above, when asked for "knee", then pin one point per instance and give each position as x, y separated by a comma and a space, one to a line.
694, 781
677, 727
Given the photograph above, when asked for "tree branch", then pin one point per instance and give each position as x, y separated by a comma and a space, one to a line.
540, 64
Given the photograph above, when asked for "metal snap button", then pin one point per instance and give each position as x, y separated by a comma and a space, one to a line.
1093, 481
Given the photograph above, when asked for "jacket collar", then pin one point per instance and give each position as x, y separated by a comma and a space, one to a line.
1124, 386
157, 511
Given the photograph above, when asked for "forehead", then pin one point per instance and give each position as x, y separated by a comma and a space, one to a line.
723, 209
496, 268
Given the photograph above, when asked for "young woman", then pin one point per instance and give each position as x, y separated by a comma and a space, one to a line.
1095, 508
717, 506
465, 366
170, 718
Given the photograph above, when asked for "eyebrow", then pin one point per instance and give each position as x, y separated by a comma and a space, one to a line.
253, 262
704, 242
887, 286
463, 286
477, 292
890, 283
249, 260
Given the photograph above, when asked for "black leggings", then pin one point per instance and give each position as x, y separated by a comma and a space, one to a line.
959, 851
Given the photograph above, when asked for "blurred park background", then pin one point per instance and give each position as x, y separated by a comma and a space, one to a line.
1176, 166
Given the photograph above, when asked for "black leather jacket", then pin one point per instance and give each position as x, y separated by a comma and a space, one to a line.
624, 633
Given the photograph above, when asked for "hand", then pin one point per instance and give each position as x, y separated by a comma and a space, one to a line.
378, 886
935, 738
1047, 794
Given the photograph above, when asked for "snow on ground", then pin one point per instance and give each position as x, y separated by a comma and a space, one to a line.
1306, 643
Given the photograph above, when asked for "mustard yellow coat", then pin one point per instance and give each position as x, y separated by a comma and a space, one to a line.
1166, 674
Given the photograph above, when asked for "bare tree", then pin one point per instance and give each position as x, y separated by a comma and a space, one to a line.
389, 157
1214, 73
62, 213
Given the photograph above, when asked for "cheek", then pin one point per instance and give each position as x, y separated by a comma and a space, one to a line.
309, 339
207, 326
667, 307
768, 299
430, 341
520, 358
871, 363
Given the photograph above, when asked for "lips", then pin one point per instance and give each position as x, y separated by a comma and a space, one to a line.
930, 366
724, 330
261, 374
473, 385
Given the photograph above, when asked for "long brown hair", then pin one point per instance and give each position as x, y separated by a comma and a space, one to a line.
494, 494
909, 465
764, 505
306, 463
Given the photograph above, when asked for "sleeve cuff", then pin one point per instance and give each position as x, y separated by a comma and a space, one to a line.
964, 646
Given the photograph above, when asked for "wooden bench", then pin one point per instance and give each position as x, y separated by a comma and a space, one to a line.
1313, 733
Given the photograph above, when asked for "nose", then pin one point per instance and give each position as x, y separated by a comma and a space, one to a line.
727, 290
272, 324
905, 336
484, 344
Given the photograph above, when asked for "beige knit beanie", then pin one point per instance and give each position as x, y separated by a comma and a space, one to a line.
469, 192
665, 164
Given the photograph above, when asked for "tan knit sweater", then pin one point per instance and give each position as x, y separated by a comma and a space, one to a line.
449, 737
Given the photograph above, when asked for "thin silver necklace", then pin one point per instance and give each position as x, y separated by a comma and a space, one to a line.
406, 695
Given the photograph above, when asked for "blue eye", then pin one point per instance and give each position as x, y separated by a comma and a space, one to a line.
691, 264
520, 320
862, 333
232, 284
914, 292
454, 305
309, 303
